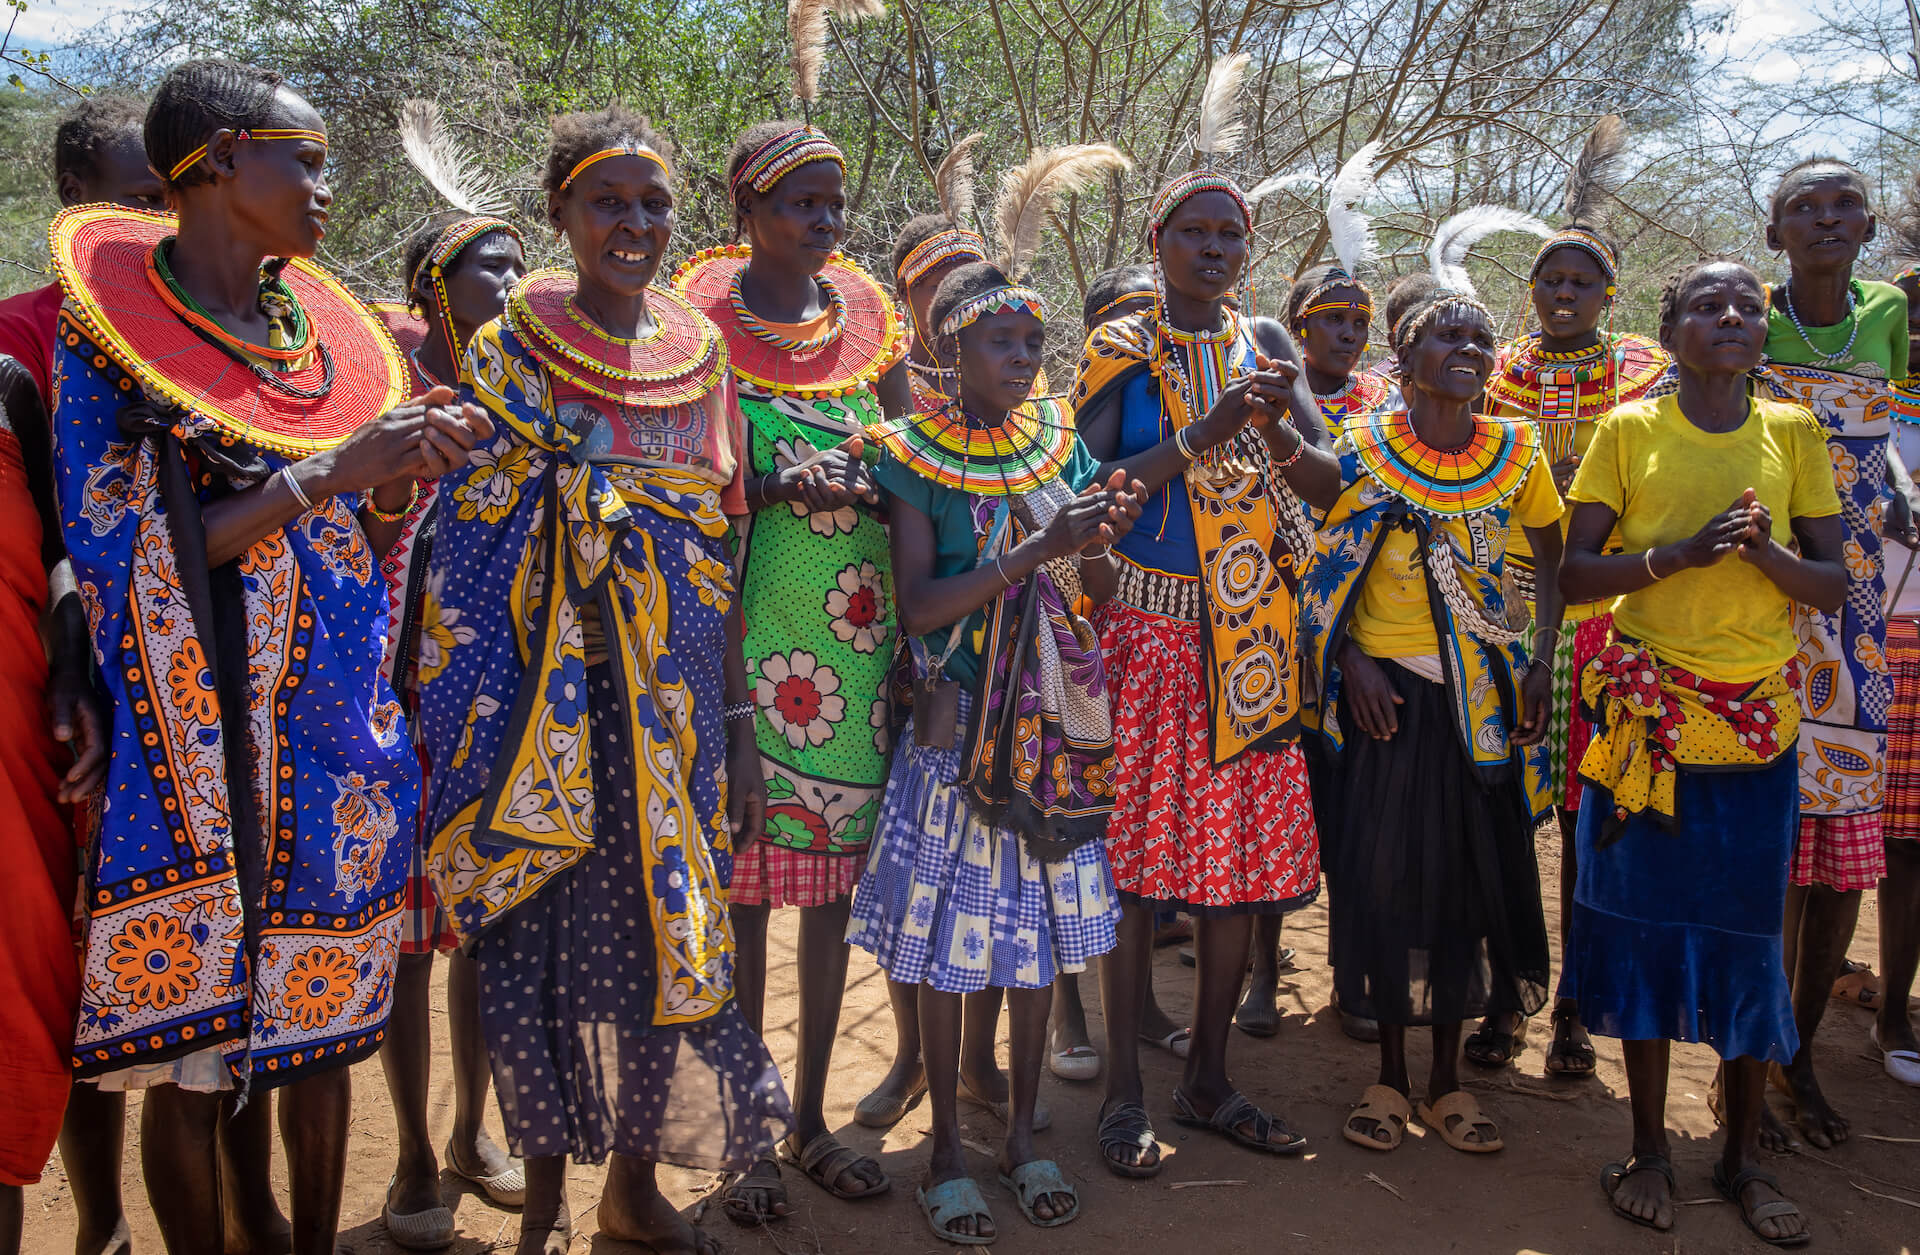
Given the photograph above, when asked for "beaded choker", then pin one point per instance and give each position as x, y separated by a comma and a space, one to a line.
186, 163
276, 301
867, 338
748, 322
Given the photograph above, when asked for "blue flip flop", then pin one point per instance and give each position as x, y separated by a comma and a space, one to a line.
1034, 1180
950, 1201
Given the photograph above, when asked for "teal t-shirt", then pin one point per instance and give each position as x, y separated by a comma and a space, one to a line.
955, 547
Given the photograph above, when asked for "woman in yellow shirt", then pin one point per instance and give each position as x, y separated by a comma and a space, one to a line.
1429, 718
1692, 803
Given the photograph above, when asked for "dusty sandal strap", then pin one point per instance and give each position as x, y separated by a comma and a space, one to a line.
1463, 1108
826, 1159
1227, 1118
1731, 1190
1128, 1126
958, 1199
737, 1208
1035, 1180
1615, 1173
1387, 1107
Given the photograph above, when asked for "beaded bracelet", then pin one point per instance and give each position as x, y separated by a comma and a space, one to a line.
1299, 451
737, 711
398, 516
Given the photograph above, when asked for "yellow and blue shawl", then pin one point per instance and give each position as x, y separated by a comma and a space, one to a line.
531, 534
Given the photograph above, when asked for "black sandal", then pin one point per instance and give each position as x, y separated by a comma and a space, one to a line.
1227, 1118
1732, 1191
737, 1208
1576, 1058
1127, 1125
1613, 1174
1488, 1047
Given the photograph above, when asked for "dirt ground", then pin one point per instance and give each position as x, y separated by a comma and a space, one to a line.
1541, 1195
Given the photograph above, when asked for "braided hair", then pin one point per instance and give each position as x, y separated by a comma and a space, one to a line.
577, 136
1418, 317
197, 98
87, 130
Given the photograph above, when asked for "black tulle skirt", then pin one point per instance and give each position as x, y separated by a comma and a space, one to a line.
1434, 894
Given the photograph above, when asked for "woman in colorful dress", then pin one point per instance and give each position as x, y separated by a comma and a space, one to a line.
814, 345
987, 867
928, 248
586, 710
1564, 378
1892, 1033
220, 424
1427, 709
458, 270
1835, 344
1212, 814
1683, 507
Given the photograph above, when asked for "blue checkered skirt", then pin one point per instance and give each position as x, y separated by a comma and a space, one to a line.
949, 901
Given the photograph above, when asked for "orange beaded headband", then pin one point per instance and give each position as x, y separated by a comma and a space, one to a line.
186, 163
630, 149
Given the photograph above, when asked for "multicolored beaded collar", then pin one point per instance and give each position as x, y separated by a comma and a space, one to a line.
1018, 454
102, 255
781, 156
680, 362
1453, 483
1363, 394
870, 335
1906, 400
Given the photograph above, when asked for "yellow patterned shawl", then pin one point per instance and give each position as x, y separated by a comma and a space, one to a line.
1247, 572
503, 676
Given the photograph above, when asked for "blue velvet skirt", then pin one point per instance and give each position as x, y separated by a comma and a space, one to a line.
1676, 935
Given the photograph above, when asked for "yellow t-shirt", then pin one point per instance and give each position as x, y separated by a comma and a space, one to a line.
1393, 618
1664, 478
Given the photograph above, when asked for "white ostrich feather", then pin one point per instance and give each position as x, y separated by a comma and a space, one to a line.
1220, 130
1456, 237
1350, 229
441, 161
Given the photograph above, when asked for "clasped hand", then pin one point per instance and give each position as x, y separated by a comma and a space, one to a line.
1099, 515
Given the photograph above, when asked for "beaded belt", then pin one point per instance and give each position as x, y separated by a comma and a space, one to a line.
1156, 592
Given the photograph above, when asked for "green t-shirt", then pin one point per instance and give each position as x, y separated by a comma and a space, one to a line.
955, 548
1879, 351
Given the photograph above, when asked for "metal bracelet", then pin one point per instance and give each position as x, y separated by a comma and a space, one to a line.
293, 486
1180, 442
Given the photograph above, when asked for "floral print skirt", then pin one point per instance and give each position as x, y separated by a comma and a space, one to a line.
950, 901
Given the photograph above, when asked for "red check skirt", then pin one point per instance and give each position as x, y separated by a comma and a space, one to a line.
1901, 819
772, 875
1232, 839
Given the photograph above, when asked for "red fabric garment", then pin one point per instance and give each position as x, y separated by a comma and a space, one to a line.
28, 324
39, 974
1901, 820
1238, 836
773, 875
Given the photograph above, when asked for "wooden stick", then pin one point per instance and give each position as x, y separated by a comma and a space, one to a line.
1385, 1186
1198, 1185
